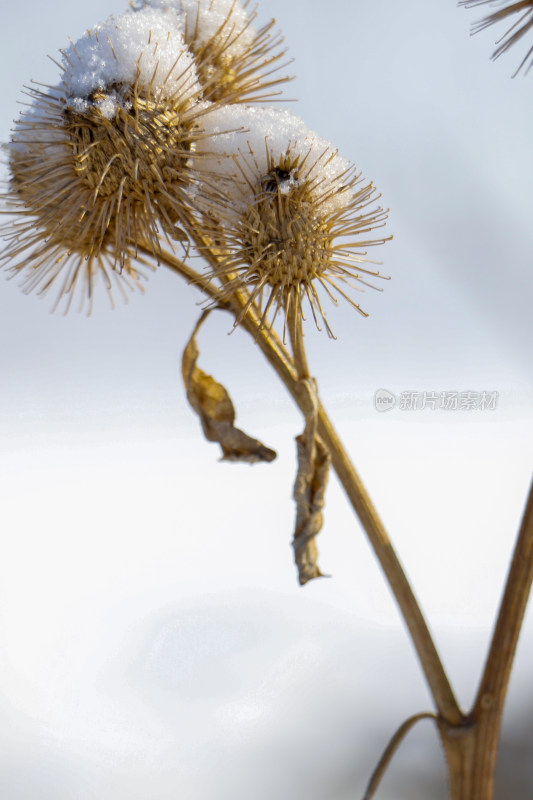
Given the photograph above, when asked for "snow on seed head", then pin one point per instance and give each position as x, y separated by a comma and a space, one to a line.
299, 215
257, 137
146, 48
236, 61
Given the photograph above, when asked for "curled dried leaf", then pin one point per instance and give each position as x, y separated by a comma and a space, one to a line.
213, 405
309, 489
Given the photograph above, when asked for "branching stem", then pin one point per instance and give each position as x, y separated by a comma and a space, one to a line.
469, 740
492, 688
280, 360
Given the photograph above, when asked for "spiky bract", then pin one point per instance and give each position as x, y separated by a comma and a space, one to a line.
523, 10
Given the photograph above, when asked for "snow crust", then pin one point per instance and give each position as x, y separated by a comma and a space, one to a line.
205, 19
244, 136
149, 45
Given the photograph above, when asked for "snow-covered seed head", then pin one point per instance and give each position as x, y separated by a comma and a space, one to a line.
299, 220
100, 165
235, 61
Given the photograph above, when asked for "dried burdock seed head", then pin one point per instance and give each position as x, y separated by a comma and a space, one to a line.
236, 62
521, 15
299, 221
101, 164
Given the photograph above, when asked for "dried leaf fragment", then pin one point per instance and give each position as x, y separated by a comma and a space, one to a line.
309, 489
213, 405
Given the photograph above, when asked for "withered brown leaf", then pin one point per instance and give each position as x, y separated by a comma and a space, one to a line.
213, 405
309, 489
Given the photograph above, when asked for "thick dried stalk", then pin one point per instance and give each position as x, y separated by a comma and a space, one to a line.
492, 688
469, 741
279, 359
471, 751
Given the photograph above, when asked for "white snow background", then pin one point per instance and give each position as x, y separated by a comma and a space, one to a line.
154, 643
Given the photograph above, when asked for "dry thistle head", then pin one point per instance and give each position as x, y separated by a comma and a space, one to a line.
521, 11
299, 218
235, 62
101, 164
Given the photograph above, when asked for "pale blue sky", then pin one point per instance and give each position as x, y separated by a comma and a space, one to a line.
404, 92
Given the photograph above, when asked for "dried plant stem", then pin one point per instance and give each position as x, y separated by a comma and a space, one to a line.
391, 749
377, 535
471, 752
294, 321
146, 256
280, 360
495, 677
469, 740
436, 678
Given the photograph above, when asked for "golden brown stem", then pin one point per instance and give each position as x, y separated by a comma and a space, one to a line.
294, 322
471, 752
177, 265
278, 357
391, 749
469, 741
497, 670
436, 678
377, 535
